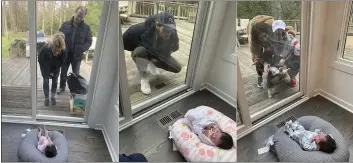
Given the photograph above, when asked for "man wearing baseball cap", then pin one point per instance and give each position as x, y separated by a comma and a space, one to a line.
151, 44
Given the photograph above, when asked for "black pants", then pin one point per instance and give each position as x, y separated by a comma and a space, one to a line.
75, 65
142, 57
54, 85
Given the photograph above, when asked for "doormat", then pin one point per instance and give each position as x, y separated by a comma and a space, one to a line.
281, 124
168, 119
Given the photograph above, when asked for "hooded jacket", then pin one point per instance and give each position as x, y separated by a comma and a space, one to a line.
48, 62
144, 34
256, 49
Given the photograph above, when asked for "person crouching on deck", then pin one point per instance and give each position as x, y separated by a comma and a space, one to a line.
151, 44
51, 57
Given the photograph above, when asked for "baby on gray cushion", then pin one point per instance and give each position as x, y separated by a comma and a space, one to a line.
28, 152
288, 150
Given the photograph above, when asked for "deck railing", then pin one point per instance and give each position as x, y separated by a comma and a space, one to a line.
181, 11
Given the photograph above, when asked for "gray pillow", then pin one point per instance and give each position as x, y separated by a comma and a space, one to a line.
28, 152
288, 150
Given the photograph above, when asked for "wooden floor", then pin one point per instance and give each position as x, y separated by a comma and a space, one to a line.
85, 145
168, 79
148, 138
16, 94
317, 106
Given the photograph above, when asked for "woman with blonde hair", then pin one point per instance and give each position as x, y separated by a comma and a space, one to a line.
51, 57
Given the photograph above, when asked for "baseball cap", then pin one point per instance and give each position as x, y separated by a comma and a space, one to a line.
278, 24
166, 19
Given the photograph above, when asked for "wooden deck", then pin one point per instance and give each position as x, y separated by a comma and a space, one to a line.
167, 80
348, 53
16, 86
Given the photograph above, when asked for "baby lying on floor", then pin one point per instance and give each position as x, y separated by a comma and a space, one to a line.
310, 141
207, 129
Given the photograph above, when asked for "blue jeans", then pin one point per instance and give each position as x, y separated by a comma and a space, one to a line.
136, 157
54, 85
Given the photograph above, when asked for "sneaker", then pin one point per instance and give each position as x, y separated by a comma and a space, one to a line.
46, 102
53, 101
259, 81
293, 82
145, 86
61, 90
153, 69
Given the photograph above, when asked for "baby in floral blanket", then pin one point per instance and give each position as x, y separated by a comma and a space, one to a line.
207, 130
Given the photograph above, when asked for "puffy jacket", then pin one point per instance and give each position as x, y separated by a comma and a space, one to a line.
256, 49
48, 62
83, 38
144, 34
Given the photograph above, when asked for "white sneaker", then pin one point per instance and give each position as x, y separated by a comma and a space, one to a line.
145, 86
23, 135
153, 69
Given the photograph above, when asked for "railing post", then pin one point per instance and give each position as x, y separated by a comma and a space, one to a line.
129, 8
155, 8
179, 12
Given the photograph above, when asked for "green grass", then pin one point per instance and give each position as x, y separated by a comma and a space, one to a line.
5, 42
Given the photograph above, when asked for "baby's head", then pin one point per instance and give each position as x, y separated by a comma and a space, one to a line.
325, 142
50, 150
222, 140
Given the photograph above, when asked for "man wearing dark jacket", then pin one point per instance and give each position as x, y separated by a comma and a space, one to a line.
151, 44
78, 38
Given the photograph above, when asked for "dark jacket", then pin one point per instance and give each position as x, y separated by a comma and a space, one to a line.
48, 62
144, 34
83, 38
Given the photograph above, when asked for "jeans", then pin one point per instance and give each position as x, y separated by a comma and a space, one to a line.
75, 65
54, 85
142, 57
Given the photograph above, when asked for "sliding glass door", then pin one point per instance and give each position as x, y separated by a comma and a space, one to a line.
162, 64
260, 94
33, 77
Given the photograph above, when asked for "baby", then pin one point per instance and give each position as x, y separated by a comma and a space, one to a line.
310, 141
207, 129
45, 145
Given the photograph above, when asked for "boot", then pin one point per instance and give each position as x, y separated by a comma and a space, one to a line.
46, 101
259, 82
61, 90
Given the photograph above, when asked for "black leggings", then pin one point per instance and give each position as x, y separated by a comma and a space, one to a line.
142, 57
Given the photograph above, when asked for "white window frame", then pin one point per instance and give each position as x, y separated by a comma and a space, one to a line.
34, 117
305, 39
337, 61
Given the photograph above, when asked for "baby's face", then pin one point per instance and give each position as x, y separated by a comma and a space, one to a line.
320, 138
214, 134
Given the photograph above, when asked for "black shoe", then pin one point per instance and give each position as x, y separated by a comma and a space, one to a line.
61, 90
46, 102
53, 101
259, 81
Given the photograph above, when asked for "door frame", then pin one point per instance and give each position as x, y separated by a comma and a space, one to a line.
127, 108
244, 111
34, 117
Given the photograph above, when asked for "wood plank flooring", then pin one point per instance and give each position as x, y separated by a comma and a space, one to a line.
85, 145
317, 106
148, 138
